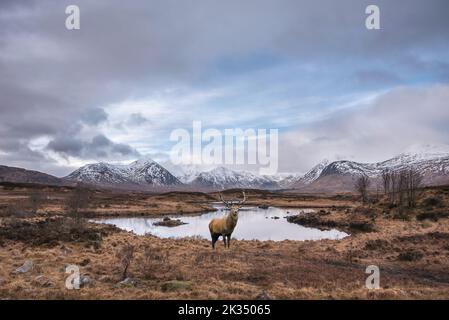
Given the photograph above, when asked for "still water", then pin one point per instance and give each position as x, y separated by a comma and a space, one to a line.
254, 223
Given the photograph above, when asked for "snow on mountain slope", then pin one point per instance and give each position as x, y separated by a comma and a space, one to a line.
100, 173
313, 173
150, 172
345, 167
431, 161
426, 162
223, 178
140, 172
186, 173
285, 180
209, 175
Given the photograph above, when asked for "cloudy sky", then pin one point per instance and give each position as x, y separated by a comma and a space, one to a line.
136, 70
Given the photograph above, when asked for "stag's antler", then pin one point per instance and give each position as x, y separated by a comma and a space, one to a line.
233, 203
227, 204
240, 203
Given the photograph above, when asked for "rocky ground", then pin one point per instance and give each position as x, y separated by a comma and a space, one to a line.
411, 249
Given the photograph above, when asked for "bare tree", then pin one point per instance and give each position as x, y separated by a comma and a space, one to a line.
361, 186
393, 186
414, 182
401, 186
125, 256
386, 176
36, 200
77, 201
401, 189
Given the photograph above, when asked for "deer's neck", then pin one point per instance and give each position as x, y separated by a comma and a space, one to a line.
231, 220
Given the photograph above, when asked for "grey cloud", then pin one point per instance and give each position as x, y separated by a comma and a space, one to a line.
66, 146
20, 155
389, 125
99, 147
94, 116
136, 119
52, 79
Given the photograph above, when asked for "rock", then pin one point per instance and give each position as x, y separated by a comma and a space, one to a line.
275, 218
169, 223
264, 296
263, 206
128, 282
175, 285
85, 281
26, 267
105, 278
42, 281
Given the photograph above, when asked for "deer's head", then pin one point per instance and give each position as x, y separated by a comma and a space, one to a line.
234, 206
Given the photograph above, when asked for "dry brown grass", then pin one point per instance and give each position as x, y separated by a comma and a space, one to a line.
189, 269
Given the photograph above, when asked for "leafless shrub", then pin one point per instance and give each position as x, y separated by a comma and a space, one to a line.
402, 186
17, 210
77, 202
155, 261
361, 186
125, 256
432, 202
36, 200
410, 255
386, 176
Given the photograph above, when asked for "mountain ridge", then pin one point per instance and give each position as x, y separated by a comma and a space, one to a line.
335, 176
140, 173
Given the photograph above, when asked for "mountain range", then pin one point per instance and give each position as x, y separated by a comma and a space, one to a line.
144, 172
326, 176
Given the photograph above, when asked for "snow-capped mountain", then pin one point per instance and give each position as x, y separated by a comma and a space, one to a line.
424, 161
222, 178
150, 172
145, 172
312, 174
431, 161
285, 180
186, 173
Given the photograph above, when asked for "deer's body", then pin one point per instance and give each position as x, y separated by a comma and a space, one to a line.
225, 226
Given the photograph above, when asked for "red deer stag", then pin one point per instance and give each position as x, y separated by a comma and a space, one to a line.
225, 226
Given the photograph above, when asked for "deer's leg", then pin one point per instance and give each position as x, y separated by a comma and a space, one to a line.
224, 240
229, 240
214, 239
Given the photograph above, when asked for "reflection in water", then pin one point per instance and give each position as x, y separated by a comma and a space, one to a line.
254, 223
